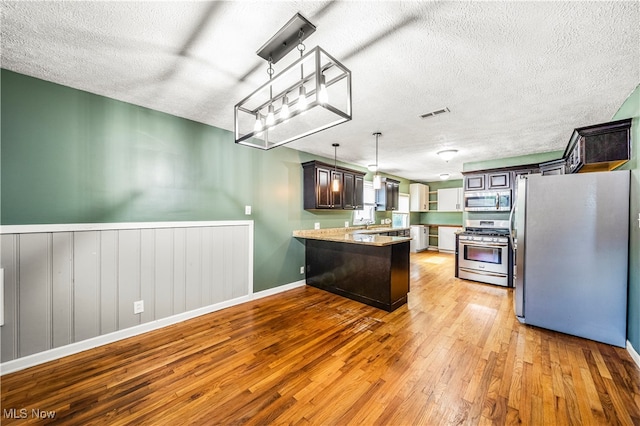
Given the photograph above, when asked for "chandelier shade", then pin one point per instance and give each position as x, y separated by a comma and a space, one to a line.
325, 85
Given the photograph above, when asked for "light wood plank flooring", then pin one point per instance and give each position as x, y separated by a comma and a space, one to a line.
454, 355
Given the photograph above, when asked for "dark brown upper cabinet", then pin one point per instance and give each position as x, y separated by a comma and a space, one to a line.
388, 197
487, 181
353, 191
474, 182
317, 187
554, 167
500, 180
599, 148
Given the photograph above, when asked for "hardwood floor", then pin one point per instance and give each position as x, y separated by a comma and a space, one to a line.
454, 355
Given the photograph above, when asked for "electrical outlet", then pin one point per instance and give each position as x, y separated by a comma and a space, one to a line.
138, 307
316, 225
302, 269
346, 224
247, 210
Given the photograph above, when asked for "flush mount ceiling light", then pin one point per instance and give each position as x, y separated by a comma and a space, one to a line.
444, 176
310, 95
377, 179
448, 154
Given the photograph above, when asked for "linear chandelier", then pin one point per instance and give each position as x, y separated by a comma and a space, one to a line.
310, 95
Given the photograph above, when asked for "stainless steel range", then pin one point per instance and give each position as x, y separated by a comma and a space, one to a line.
483, 252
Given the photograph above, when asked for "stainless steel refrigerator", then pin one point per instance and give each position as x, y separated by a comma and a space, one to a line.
571, 238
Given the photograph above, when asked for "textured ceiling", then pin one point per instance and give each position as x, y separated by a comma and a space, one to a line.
517, 76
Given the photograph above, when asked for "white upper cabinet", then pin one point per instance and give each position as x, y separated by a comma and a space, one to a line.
450, 200
419, 196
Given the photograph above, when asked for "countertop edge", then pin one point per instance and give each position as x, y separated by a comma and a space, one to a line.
351, 238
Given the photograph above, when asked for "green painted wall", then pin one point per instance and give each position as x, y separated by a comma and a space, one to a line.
68, 156
631, 109
442, 218
514, 161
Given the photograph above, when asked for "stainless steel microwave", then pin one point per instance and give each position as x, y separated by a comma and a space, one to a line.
487, 201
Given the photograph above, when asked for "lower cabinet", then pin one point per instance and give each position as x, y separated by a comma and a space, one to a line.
447, 238
375, 275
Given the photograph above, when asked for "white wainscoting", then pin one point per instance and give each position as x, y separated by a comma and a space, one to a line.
73, 286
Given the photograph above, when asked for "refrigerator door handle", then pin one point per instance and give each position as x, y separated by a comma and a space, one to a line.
511, 227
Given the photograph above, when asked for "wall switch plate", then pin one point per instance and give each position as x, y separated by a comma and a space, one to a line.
138, 307
316, 225
247, 210
346, 224
302, 269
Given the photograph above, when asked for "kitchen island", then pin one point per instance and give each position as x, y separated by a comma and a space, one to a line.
362, 265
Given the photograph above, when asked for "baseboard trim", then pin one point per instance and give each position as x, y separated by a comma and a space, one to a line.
633, 353
94, 342
280, 289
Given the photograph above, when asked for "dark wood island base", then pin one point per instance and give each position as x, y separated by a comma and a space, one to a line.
377, 275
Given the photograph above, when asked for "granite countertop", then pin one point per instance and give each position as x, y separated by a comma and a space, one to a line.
353, 235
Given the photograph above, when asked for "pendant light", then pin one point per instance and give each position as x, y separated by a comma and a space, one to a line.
323, 96
377, 179
284, 111
335, 185
270, 117
257, 127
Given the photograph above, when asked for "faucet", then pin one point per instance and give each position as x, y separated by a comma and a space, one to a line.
367, 223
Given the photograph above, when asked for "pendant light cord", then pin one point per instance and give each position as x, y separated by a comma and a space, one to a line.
301, 48
270, 72
377, 134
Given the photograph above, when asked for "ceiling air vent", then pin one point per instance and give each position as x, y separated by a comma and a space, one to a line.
434, 113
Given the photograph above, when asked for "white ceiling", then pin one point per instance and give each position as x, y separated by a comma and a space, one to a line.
518, 77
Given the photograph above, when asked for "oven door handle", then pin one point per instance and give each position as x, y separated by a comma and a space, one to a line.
475, 271
491, 245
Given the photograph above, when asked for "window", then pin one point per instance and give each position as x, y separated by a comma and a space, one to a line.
368, 214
